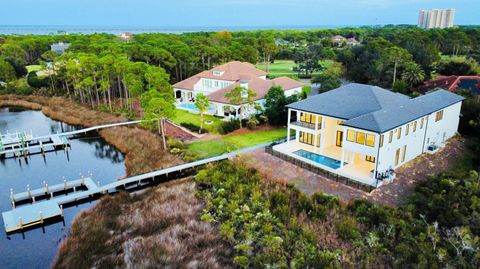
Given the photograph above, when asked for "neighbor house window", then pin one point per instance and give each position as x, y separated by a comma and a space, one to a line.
403, 154
391, 137
360, 138
351, 136
381, 141
370, 140
414, 126
439, 115
399, 133
370, 159
421, 123
407, 129
339, 122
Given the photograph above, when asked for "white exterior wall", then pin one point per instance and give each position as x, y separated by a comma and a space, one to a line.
438, 132
207, 86
330, 135
417, 142
291, 92
413, 141
359, 148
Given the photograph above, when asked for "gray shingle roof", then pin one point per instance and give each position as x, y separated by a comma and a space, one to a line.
373, 108
350, 101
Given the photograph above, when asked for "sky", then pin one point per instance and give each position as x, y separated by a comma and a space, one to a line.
214, 13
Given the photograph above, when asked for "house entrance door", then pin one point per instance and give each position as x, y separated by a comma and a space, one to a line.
339, 139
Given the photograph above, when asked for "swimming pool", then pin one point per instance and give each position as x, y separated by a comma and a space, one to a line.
192, 107
324, 160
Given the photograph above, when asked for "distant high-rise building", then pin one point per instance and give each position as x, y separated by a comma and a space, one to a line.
436, 18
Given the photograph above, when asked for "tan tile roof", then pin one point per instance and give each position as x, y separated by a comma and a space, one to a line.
259, 86
232, 71
187, 84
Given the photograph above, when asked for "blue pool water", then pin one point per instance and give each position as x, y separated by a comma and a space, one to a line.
324, 160
191, 107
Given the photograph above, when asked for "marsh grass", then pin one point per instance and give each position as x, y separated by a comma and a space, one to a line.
142, 148
159, 228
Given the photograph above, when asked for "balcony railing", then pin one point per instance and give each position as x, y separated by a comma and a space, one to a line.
305, 124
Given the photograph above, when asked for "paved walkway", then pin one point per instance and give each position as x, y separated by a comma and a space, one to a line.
390, 194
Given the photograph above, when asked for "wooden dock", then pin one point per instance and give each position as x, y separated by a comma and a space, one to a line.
37, 212
22, 143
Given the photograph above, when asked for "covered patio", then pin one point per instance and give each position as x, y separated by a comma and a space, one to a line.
355, 166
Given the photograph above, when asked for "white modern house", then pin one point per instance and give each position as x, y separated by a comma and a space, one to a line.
218, 81
364, 132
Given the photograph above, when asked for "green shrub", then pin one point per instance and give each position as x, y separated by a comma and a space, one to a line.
304, 204
20, 87
252, 123
192, 127
37, 82
329, 201
230, 126
347, 229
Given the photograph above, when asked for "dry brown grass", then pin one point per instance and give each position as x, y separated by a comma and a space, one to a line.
160, 228
143, 149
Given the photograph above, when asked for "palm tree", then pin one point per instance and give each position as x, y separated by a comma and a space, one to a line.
202, 104
240, 96
413, 74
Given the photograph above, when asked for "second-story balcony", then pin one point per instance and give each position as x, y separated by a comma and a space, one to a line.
305, 124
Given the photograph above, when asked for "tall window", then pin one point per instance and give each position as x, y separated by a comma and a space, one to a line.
414, 126
407, 129
399, 133
391, 137
421, 123
307, 117
397, 156
439, 116
350, 135
370, 140
403, 154
360, 138
381, 141
308, 139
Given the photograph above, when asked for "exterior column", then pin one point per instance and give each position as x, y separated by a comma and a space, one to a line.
343, 159
322, 134
315, 133
288, 127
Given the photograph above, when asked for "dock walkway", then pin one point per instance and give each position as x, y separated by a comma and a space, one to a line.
36, 213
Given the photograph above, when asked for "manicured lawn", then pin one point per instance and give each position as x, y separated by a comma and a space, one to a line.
285, 67
228, 143
35, 67
187, 117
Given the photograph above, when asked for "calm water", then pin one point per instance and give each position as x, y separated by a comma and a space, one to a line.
37, 248
112, 29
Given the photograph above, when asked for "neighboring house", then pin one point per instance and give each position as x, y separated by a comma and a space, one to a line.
126, 36
364, 132
452, 83
59, 47
338, 40
215, 83
352, 42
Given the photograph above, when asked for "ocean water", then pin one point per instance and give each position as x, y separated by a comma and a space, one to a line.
86, 29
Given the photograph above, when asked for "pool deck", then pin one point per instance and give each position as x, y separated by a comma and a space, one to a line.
359, 170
